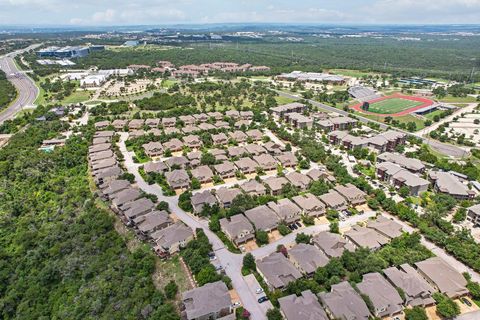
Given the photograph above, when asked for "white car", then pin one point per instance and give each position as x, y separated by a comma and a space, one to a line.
259, 290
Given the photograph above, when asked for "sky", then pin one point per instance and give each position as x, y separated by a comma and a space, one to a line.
160, 12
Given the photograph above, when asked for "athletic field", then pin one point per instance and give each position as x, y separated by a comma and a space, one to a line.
394, 105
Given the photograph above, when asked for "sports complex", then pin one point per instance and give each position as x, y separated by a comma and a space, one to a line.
393, 105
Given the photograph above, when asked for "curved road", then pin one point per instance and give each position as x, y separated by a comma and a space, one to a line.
443, 148
26, 88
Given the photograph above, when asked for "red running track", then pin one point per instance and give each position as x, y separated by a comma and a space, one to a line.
425, 103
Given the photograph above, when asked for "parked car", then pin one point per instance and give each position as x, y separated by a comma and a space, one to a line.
236, 304
467, 302
259, 290
262, 299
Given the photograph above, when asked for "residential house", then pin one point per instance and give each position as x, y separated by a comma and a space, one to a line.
299, 121
169, 122
266, 162
155, 167
152, 122
366, 238
225, 196
255, 134
236, 151
316, 174
211, 301
125, 196
310, 205
119, 124
274, 148
298, 180
255, 149
193, 142
411, 164
203, 174
151, 222
234, 114
136, 124
153, 149
287, 160
173, 145
246, 165
201, 117
263, 218
238, 229
337, 123
332, 244
190, 129
473, 215
219, 155
303, 307
172, 238
416, 290
253, 188
286, 210
385, 298
113, 187
334, 200
194, 158
135, 209
343, 302
447, 183
220, 139
307, 258
178, 179
386, 227
177, 162
187, 120
335, 137
225, 169
277, 271
399, 177
353, 195
275, 184
199, 199
101, 125
246, 115
443, 277
238, 136
280, 111
204, 126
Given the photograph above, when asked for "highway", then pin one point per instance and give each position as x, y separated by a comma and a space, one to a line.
26, 88
444, 148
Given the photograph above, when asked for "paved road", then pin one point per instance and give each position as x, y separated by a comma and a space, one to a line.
475, 315
26, 88
443, 148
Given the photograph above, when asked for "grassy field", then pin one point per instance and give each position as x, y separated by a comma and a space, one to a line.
451, 99
402, 119
394, 105
431, 115
77, 97
283, 100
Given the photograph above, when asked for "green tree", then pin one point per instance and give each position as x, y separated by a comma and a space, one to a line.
196, 184
283, 229
171, 289
446, 307
249, 262
416, 313
274, 314
303, 238
262, 237
404, 191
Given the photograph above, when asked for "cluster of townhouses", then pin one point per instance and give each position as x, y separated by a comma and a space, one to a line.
132, 205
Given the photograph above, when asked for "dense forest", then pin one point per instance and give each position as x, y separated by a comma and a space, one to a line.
7, 91
450, 58
60, 256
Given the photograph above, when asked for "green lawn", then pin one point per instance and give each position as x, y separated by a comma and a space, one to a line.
431, 115
450, 99
284, 100
394, 105
77, 97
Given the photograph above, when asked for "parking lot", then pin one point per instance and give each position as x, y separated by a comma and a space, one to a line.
253, 286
